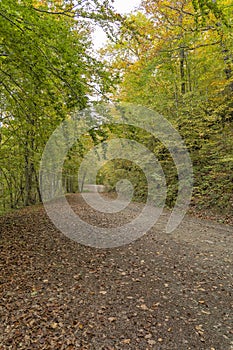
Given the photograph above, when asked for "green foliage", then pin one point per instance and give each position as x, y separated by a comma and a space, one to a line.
206, 8
174, 57
184, 72
47, 72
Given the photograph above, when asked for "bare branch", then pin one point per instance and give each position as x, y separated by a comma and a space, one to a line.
64, 13
194, 47
179, 10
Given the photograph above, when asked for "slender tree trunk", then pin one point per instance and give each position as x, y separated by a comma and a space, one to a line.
83, 180
28, 176
182, 71
37, 184
9, 185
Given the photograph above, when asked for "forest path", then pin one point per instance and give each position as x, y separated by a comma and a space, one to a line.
160, 292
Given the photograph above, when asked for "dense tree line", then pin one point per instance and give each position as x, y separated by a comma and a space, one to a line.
47, 71
176, 57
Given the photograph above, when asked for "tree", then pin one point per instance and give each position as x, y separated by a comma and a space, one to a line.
47, 71
179, 68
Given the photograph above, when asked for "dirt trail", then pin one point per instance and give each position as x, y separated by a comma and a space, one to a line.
160, 292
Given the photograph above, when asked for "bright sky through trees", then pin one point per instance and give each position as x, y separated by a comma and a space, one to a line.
125, 6
122, 6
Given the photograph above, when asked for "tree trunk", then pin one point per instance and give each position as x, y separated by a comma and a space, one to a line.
28, 176
182, 71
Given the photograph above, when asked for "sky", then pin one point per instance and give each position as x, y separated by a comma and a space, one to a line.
121, 6
126, 6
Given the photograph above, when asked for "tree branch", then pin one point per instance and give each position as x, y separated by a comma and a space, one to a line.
12, 22
193, 48
64, 13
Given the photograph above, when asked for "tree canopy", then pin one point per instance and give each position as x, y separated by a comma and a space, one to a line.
47, 70
175, 57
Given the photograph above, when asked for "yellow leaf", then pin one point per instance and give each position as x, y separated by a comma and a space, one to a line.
53, 325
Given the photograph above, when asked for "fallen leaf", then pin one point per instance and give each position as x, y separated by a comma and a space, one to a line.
144, 307
148, 336
54, 325
206, 312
